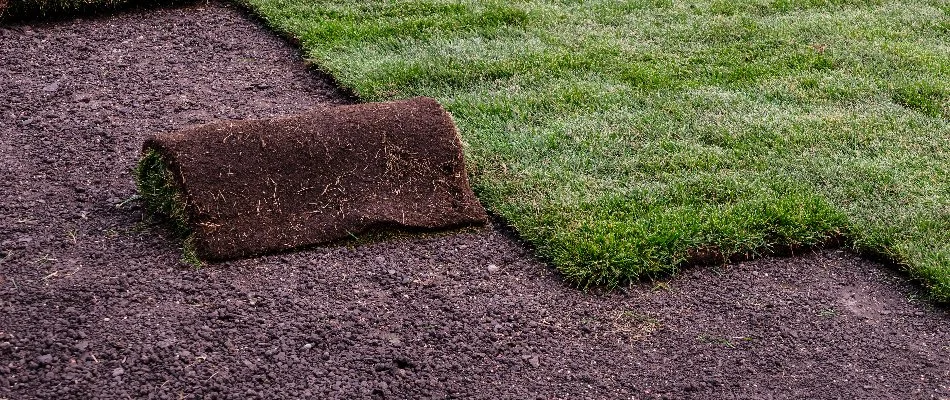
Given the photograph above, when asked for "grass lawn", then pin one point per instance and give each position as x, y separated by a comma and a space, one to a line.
623, 138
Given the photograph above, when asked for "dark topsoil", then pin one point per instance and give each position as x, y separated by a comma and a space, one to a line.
94, 303
321, 176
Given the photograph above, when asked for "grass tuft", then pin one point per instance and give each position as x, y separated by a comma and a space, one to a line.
162, 198
926, 98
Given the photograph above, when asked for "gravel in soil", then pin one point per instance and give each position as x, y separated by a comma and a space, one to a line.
95, 303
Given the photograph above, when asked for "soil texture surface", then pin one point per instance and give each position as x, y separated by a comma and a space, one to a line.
321, 176
95, 303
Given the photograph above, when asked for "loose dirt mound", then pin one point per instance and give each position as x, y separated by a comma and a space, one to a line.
257, 186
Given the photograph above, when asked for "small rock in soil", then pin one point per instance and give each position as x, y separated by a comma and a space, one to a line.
534, 360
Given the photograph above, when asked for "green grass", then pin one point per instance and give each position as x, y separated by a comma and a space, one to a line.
617, 136
162, 197
621, 136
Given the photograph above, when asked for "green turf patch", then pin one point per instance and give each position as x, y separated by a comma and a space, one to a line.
162, 197
622, 136
925, 97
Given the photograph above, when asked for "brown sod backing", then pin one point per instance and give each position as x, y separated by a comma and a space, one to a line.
332, 173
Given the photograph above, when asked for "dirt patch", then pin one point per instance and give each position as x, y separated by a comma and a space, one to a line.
332, 173
95, 304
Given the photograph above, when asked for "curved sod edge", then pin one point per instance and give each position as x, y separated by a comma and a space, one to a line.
164, 198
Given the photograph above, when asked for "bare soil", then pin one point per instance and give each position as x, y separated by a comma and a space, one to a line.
95, 303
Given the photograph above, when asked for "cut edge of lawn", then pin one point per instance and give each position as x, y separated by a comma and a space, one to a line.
840, 236
836, 235
699, 256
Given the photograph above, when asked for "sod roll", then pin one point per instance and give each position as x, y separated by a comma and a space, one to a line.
238, 189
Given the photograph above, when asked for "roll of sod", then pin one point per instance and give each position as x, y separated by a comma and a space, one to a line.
237, 189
